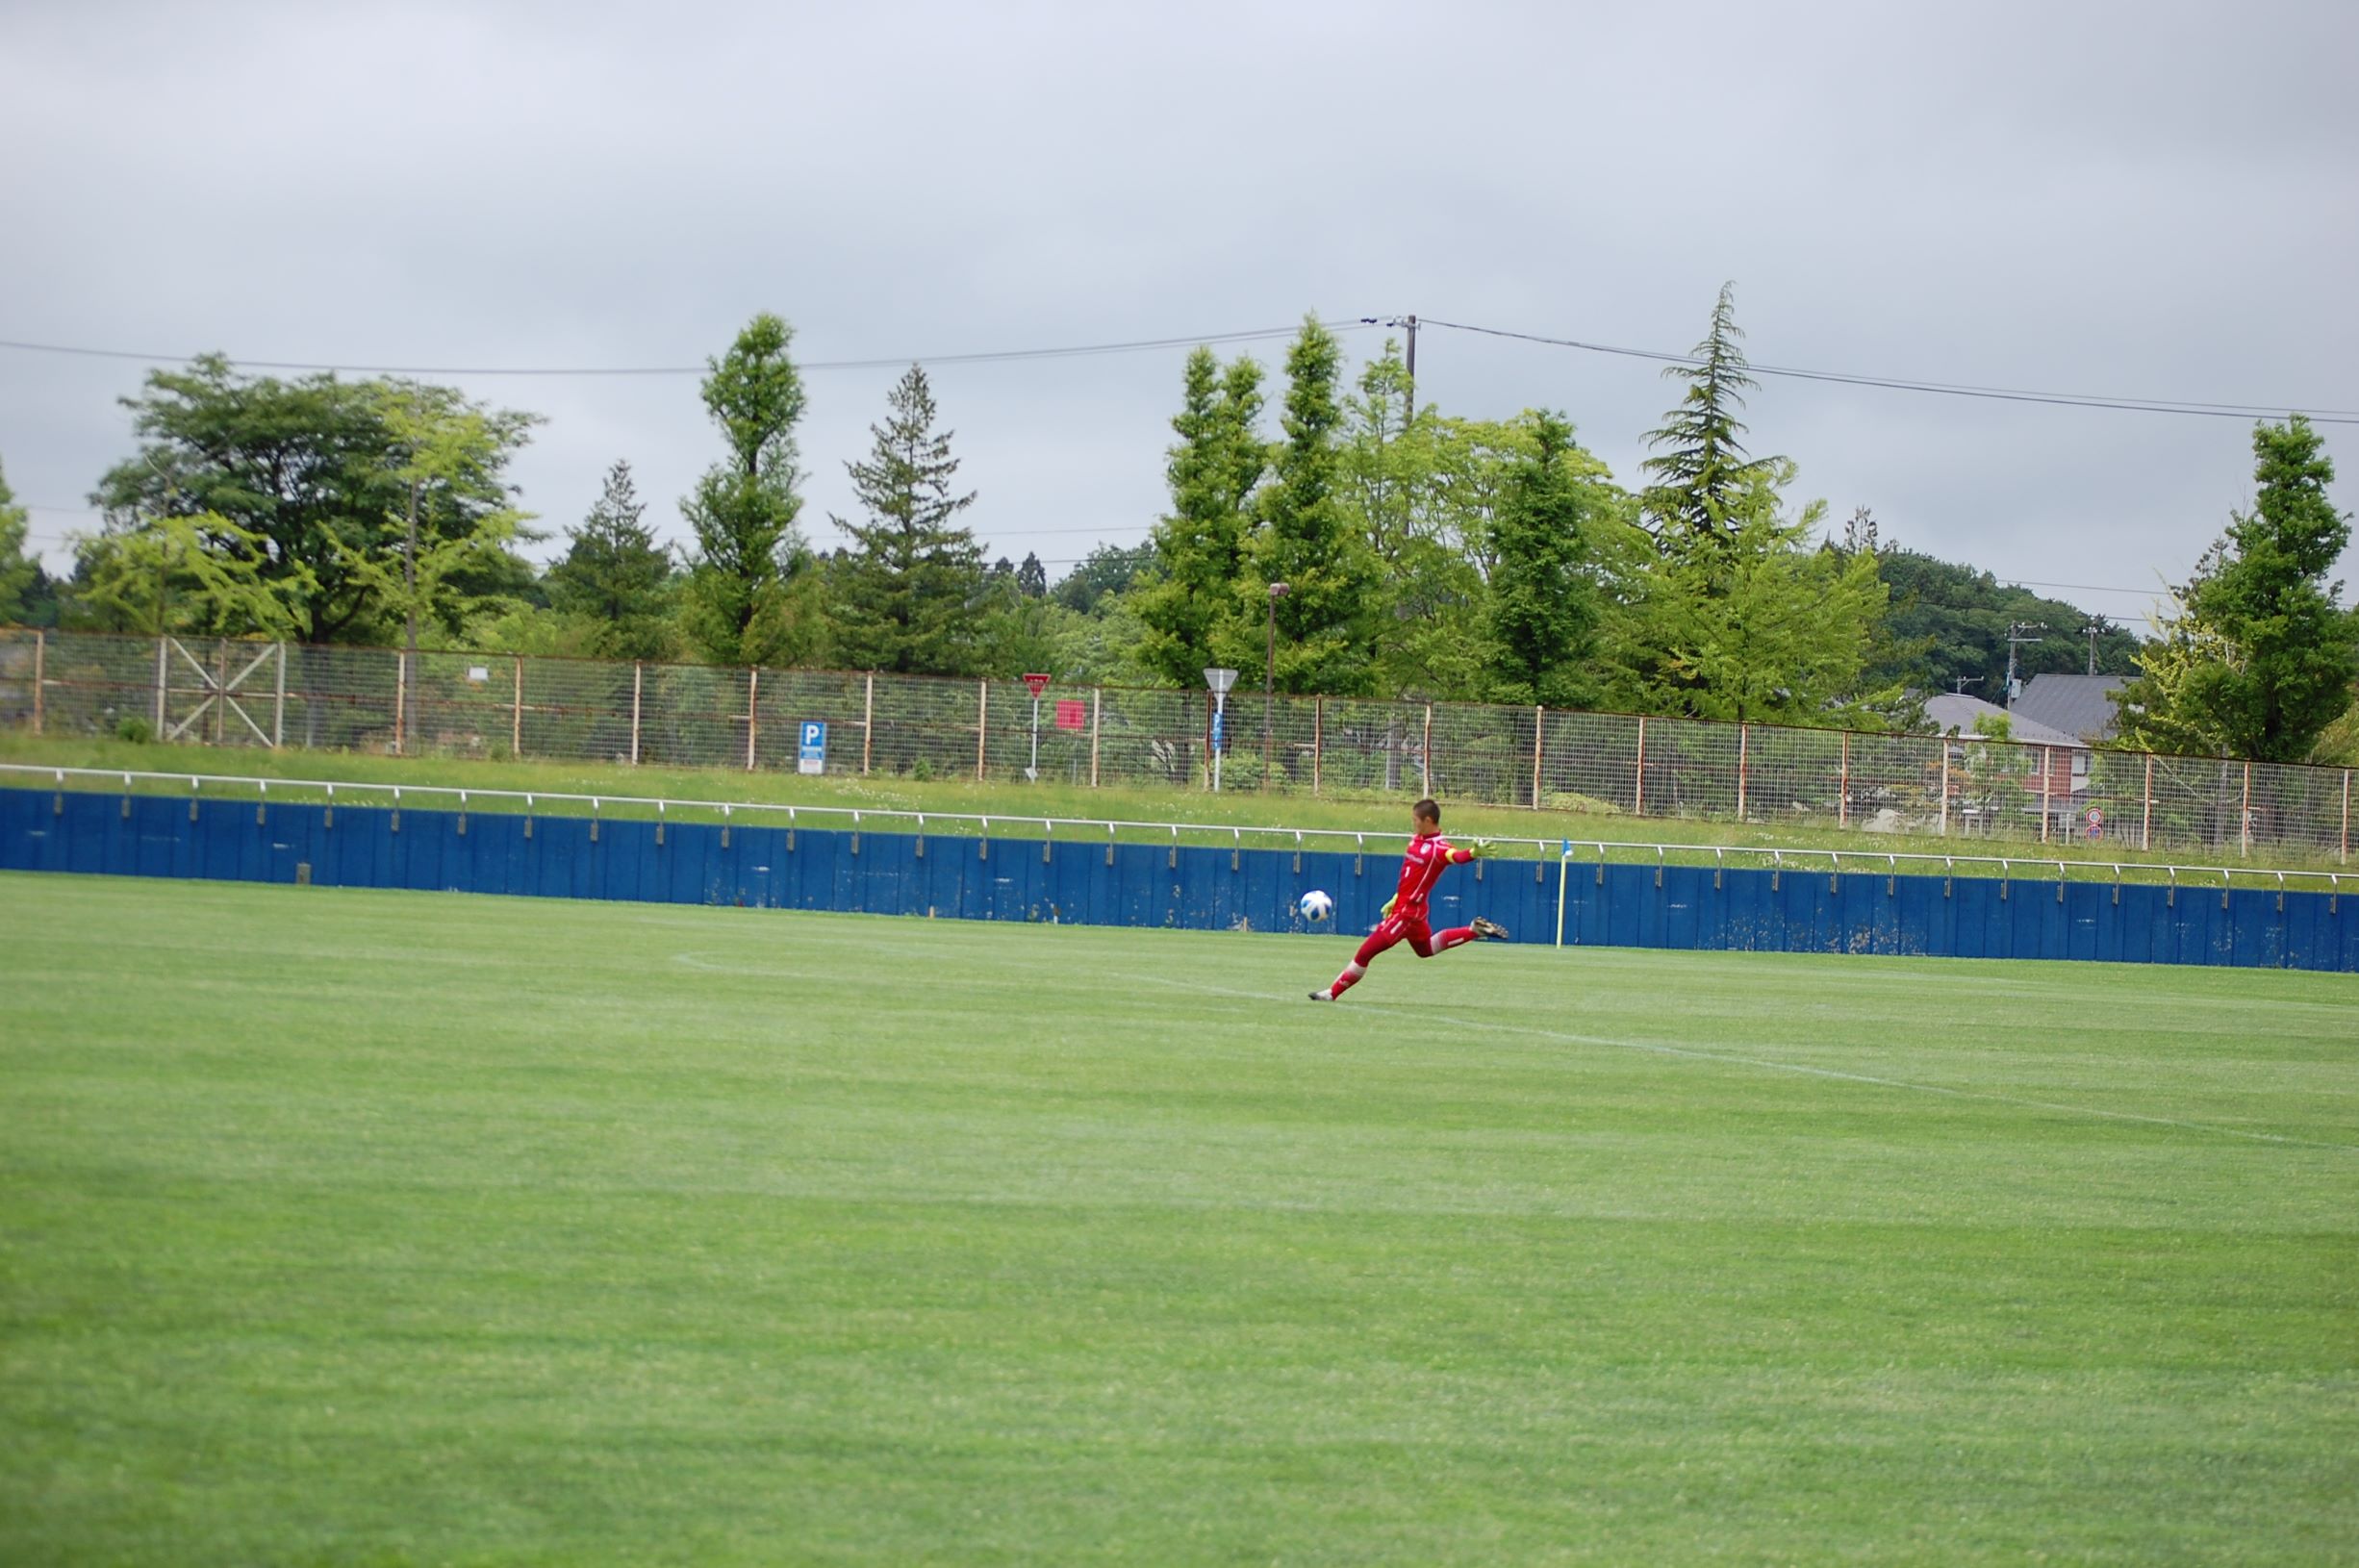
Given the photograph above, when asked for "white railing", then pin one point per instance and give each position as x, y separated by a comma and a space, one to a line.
1836, 862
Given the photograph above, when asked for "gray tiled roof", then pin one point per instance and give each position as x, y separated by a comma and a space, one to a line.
1956, 714
2077, 704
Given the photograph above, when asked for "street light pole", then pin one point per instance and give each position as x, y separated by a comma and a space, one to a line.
1269, 679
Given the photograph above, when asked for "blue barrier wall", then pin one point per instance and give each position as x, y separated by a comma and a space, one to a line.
1142, 884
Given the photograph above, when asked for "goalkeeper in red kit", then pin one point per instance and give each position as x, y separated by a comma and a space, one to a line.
1430, 854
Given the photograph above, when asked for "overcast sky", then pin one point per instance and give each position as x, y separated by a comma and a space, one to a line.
2150, 200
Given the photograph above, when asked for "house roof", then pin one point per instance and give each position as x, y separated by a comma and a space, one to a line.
1955, 713
2077, 704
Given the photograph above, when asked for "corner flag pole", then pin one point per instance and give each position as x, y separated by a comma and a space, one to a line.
1564, 861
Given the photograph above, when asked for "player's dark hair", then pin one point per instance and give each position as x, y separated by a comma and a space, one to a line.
1429, 810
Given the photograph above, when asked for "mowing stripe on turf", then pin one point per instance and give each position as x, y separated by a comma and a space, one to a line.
1772, 1066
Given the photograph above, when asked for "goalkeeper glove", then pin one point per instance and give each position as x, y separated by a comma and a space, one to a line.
1387, 911
1480, 849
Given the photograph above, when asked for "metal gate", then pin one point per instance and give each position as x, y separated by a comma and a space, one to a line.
217, 702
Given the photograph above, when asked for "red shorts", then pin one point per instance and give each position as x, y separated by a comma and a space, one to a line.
1396, 929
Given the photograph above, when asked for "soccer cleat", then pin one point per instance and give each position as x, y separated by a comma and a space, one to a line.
1491, 930
1322, 996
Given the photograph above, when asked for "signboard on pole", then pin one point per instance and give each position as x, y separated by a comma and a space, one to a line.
1035, 684
811, 757
1072, 714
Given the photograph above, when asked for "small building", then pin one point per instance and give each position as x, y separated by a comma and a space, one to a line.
2055, 762
2080, 706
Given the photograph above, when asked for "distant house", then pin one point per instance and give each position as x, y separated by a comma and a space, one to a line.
2057, 773
2081, 705
1957, 714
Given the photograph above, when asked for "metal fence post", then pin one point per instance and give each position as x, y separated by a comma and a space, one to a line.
401, 697
1638, 774
2244, 817
516, 713
1842, 798
982, 723
1539, 724
753, 694
1744, 746
2047, 773
1425, 751
639, 672
1318, 740
2145, 816
221, 690
868, 722
278, 703
2345, 854
40, 652
1097, 713
1945, 816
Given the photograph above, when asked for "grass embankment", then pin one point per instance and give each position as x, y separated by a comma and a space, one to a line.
1007, 803
404, 1229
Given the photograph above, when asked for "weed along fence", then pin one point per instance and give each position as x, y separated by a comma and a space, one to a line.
282, 695
1143, 875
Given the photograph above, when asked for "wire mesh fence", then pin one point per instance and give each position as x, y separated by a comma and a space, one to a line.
445, 703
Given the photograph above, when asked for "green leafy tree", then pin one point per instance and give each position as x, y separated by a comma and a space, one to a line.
615, 577
1700, 470
312, 470
1107, 571
1032, 578
180, 574
1764, 627
1949, 621
1405, 477
741, 601
444, 445
2259, 659
1200, 547
20, 572
908, 593
1544, 599
1307, 540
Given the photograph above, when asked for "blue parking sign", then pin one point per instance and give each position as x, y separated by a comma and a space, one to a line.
812, 757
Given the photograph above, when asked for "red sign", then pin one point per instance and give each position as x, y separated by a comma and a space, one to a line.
1036, 684
1072, 715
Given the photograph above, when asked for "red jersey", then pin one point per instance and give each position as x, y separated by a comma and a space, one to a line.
1421, 868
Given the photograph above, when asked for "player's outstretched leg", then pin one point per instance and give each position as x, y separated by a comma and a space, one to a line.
1458, 936
1350, 977
1382, 937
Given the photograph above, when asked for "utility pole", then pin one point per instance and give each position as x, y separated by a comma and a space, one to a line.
2019, 633
2092, 631
1411, 325
1269, 680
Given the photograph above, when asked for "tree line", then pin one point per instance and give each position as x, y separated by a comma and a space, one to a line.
1351, 539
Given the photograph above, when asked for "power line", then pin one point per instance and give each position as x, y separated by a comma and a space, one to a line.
1135, 346
1945, 388
2081, 588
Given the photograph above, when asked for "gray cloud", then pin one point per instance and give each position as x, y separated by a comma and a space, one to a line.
2148, 200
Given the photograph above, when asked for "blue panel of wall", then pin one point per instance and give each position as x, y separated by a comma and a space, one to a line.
1143, 884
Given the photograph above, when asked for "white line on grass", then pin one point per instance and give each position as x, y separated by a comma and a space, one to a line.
1770, 1065
1693, 1054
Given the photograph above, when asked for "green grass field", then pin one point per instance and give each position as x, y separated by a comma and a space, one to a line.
392, 1228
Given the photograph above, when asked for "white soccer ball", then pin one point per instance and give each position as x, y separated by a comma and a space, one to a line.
1315, 906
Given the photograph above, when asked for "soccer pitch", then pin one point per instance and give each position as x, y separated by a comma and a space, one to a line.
399, 1228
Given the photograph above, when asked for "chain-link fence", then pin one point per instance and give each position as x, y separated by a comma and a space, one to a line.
500, 705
